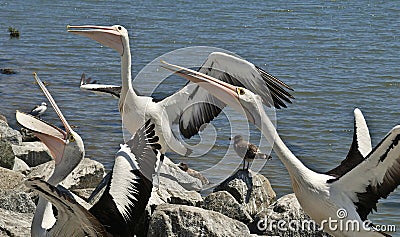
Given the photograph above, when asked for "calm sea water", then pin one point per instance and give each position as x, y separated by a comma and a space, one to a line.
336, 55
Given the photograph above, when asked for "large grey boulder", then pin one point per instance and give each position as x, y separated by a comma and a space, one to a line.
224, 203
285, 210
181, 220
7, 157
11, 180
9, 134
21, 166
170, 191
87, 174
17, 201
14, 223
32, 153
172, 171
250, 189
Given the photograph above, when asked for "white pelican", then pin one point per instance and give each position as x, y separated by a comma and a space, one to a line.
190, 107
353, 189
67, 150
39, 110
125, 190
247, 151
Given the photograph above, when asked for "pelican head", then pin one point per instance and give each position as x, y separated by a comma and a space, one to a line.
66, 146
115, 37
239, 98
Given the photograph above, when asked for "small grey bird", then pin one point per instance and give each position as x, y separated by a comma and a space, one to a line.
39, 109
247, 151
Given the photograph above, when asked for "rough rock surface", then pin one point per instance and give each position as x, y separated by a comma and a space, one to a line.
17, 201
287, 209
15, 224
32, 153
11, 180
224, 203
9, 134
180, 220
21, 166
7, 156
250, 189
87, 174
169, 191
172, 171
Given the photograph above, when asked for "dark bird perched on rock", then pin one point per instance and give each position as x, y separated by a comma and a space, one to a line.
185, 167
39, 110
247, 151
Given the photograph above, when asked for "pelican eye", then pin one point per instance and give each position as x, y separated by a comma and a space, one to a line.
119, 28
71, 138
240, 91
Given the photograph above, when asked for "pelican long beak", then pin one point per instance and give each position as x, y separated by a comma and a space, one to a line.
220, 89
106, 35
225, 92
53, 137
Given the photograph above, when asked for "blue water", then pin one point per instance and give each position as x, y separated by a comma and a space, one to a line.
336, 55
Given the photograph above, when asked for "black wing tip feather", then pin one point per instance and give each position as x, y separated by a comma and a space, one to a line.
273, 78
277, 89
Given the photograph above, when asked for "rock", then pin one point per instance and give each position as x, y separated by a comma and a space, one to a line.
172, 171
286, 210
17, 201
43, 170
15, 224
250, 189
84, 193
169, 191
87, 174
9, 71
21, 166
193, 173
224, 203
180, 220
32, 153
28, 136
11, 180
9, 134
6, 155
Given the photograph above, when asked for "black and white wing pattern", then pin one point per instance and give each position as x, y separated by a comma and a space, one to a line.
375, 177
129, 187
72, 218
93, 86
359, 149
193, 106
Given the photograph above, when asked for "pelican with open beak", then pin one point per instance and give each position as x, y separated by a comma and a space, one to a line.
67, 149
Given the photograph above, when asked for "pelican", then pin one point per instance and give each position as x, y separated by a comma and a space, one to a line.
125, 191
190, 107
66, 148
348, 193
39, 110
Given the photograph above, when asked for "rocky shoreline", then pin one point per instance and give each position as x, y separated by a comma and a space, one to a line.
238, 206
